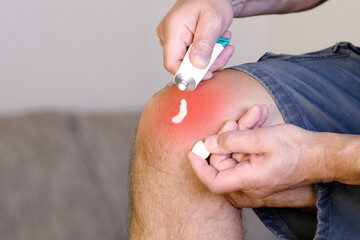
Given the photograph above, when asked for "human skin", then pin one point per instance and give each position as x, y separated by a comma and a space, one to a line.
202, 109
278, 158
167, 199
201, 22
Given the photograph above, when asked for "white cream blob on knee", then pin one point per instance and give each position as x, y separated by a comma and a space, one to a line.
182, 112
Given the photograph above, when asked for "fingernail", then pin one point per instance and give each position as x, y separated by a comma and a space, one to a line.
207, 76
211, 143
200, 150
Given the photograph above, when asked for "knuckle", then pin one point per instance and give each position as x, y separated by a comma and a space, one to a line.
257, 142
159, 31
219, 19
203, 44
227, 140
167, 65
213, 16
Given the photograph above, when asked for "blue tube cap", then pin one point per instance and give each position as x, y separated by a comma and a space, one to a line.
223, 41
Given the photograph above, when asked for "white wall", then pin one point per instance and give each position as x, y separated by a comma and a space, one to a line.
99, 55
321, 27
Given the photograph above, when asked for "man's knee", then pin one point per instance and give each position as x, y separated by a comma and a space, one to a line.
225, 97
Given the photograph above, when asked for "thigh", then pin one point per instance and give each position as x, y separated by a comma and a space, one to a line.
318, 91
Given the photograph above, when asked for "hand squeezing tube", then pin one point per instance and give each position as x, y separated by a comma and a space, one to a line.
188, 77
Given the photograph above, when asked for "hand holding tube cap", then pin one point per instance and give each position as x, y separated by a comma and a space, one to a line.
188, 77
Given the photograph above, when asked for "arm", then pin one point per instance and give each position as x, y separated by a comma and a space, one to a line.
247, 8
201, 22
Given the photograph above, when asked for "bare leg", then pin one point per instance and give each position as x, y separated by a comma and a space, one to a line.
168, 201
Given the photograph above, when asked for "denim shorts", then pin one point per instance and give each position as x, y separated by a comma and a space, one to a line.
318, 91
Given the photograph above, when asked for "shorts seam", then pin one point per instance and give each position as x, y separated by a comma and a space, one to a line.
315, 58
330, 220
323, 202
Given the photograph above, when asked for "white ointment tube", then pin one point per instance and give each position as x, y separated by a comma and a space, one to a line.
188, 77
200, 150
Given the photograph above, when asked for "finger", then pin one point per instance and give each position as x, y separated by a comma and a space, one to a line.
264, 116
174, 52
219, 182
250, 118
206, 34
246, 122
223, 58
201, 168
174, 38
223, 161
253, 118
249, 142
227, 34
208, 75
229, 126
238, 178
240, 157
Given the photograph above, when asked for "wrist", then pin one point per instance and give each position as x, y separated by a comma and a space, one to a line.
347, 158
238, 7
322, 154
337, 157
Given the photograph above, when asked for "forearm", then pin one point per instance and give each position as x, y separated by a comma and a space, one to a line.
246, 8
339, 157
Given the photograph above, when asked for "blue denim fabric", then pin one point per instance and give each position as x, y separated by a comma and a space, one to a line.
318, 91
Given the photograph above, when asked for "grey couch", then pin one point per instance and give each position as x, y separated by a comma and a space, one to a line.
64, 177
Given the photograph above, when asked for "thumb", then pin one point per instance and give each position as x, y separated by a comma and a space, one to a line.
205, 38
247, 141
